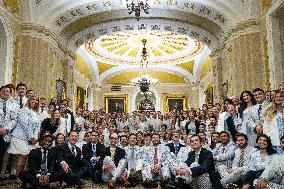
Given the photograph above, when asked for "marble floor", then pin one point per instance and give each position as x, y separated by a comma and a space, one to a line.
11, 184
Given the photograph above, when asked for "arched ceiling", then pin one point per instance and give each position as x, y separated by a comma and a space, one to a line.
180, 33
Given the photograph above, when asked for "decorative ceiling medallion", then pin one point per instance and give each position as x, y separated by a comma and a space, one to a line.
162, 47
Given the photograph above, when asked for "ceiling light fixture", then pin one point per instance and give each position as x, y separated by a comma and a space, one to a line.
144, 81
137, 6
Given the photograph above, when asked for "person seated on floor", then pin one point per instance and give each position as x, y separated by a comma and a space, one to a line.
41, 165
134, 158
73, 168
113, 163
156, 164
224, 152
259, 160
200, 164
92, 152
240, 163
273, 175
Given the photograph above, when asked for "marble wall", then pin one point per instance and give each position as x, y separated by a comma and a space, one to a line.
41, 64
238, 62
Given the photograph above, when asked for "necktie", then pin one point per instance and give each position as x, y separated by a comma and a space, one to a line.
4, 108
43, 167
176, 150
93, 154
259, 111
241, 161
73, 151
132, 159
21, 102
112, 153
132, 152
223, 150
156, 161
196, 157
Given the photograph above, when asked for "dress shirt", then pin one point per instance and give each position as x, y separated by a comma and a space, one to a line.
256, 163
70, 146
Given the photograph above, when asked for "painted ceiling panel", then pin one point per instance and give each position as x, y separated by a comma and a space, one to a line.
103, 67
83, 67
206, 67
188, 66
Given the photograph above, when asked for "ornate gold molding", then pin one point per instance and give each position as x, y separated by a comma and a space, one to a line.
118, 98
166, 97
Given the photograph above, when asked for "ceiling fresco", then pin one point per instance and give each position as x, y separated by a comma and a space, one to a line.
162, 47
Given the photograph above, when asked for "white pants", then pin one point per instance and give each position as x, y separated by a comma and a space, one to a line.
147, 172
234, 176
114, 173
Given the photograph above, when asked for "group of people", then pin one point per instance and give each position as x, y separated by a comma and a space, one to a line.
237, 144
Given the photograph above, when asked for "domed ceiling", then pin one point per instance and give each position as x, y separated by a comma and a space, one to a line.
172, 57
180, 34
162, 47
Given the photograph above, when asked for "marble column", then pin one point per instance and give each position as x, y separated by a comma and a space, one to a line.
217, 75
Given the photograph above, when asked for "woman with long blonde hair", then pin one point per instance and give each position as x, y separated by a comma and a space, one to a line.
274, 119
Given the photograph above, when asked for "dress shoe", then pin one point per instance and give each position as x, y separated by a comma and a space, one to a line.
125, 183
12, 177
138, 176
111, 184
149, 184
54, 185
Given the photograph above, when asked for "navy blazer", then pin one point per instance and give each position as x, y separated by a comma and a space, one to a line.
206, 165
65, 154
87, 150
35, 161
172, 147
119, 155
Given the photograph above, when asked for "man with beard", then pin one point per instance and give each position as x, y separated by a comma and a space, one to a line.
134, 159
113, 163
240, 163
156, 164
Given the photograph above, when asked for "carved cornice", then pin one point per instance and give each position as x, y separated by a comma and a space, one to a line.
41, 31
245, 27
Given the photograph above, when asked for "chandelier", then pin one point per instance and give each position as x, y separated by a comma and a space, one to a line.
137, 6
144, 81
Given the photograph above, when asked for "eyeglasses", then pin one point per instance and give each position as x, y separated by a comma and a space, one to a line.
113, 138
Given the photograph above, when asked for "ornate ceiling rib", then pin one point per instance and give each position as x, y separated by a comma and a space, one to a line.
120, 15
